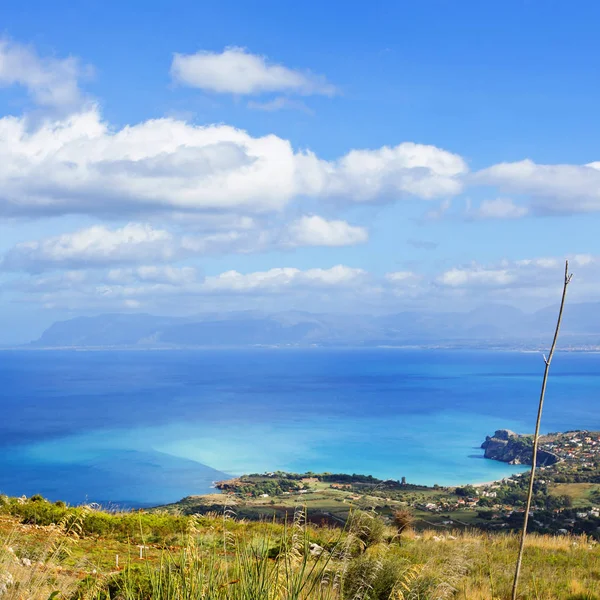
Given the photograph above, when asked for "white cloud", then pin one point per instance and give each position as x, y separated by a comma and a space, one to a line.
391, 172
213, 221
92, 247
560, 188
475, 276
279, 279
535, 281
99, 246
152, 285
538, 276
81, 165
236, 71
51, 82
317, 231
500, 208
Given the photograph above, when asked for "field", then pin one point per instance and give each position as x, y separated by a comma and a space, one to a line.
52, 551
582, 494
571, 506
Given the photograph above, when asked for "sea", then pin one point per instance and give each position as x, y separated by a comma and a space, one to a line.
143, 428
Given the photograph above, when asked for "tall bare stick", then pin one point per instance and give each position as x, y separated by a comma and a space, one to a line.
536, 435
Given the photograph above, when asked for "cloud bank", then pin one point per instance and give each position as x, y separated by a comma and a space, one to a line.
82, 165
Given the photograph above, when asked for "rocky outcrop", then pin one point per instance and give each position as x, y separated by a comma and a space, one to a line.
510, 447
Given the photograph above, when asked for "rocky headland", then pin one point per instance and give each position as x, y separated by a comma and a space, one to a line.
515, 449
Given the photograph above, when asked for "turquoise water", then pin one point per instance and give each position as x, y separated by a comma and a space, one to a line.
141, 428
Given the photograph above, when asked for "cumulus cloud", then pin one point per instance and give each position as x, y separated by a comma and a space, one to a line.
51, 82
152, 285
278, 279
317, 231
560, 188
475, 276
540, 275
533, 280
92, 247
99, 246
391, 172
236, 71
499, 208
81, 165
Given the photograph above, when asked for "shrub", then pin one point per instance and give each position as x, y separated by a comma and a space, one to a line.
402, 519
377, 576
367, 527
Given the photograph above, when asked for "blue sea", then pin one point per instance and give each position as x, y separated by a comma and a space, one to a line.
137, 428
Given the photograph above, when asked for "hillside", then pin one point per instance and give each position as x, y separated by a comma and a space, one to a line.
51, 551
487, 326
321, 536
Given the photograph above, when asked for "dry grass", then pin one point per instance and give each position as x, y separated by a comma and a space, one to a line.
553, 566
221, 558
31, 566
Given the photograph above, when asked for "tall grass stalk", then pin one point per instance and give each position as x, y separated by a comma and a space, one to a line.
281, 563
536, 436
38, 575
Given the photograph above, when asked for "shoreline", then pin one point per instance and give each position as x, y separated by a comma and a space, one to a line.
494, 481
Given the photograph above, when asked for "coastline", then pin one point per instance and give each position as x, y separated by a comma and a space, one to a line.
494, 481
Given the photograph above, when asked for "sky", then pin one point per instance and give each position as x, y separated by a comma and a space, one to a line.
188, 157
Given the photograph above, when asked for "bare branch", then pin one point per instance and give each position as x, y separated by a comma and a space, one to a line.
536, 436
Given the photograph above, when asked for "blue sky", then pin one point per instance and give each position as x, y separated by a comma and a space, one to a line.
185, 157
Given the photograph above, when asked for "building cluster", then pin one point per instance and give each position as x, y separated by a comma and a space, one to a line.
580, 447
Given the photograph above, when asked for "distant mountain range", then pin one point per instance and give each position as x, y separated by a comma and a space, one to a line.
487, 326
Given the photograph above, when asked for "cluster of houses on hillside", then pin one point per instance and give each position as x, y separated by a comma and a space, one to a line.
580, 447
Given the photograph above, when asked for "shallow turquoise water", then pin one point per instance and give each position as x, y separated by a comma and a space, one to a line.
149, 427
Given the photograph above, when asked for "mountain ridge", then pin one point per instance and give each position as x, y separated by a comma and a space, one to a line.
492, 325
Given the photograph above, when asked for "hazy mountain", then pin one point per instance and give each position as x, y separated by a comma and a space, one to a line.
486, 325
107, 330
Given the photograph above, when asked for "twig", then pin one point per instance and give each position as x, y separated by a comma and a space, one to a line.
536, 436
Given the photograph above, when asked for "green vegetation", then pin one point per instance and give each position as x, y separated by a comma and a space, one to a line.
50, 551
356, 537
330, 498
136, 527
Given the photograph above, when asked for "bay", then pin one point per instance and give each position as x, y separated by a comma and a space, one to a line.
138, 428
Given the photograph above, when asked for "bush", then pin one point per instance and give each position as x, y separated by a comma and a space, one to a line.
402, 519
367, 527
466, 491
375, 577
